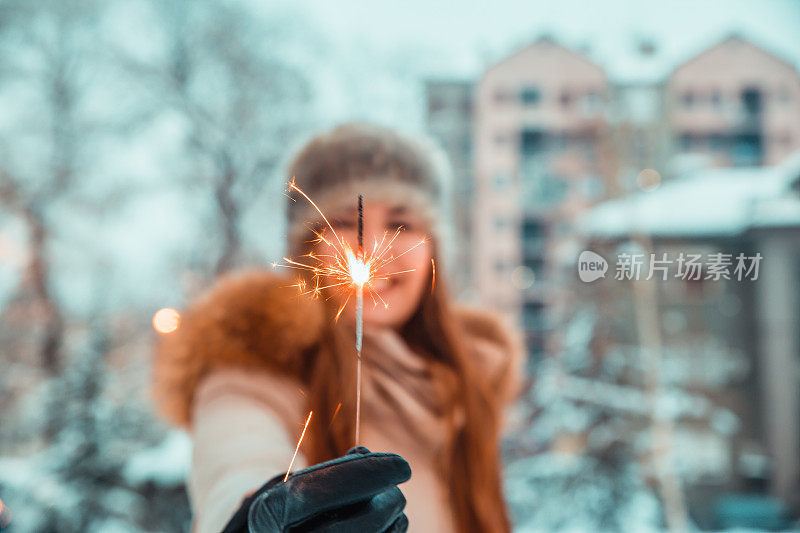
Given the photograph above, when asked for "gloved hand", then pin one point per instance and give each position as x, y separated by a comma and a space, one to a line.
355, 492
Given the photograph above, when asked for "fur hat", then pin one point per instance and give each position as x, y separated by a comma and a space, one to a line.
335, 166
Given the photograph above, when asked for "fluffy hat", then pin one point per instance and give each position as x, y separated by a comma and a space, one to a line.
335, 166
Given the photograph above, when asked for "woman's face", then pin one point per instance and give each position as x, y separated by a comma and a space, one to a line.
387, 302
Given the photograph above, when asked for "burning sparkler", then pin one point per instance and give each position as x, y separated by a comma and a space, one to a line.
350, 270
359, 277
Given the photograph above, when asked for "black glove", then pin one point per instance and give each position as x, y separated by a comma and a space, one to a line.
356, 492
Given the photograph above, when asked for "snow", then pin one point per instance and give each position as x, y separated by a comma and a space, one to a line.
718, 202
29, 475
28, 486
552, 479
139, 220
777, 212
166, 464
625, 65
641, 104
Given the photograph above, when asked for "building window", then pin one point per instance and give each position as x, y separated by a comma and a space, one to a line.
534, 234
533, 229
536, 264
747, 149
751, 100
533, 316
688, 99
530, 96
435, 105
533, 143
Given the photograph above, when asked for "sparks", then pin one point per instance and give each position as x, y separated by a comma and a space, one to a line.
433, 274
358, 269
303, 434
347, 269
336, 412
344, 267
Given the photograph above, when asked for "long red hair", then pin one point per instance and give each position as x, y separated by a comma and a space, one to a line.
470, 466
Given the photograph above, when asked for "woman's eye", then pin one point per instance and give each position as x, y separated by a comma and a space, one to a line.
342, 223
394, 225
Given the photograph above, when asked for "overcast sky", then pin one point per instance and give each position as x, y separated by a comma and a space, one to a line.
461, 36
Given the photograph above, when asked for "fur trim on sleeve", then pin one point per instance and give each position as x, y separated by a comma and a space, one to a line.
501, 348
252, 319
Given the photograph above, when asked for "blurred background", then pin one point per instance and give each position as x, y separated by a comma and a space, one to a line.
142, 145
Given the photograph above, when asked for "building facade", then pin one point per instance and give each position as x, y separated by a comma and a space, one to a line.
544, 133
737, 103
538, 158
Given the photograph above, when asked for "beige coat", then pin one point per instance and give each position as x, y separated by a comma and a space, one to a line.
224, 376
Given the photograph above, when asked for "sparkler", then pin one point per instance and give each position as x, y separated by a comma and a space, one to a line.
359, 314
350, 270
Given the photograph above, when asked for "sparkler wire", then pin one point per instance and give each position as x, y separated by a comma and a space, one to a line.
359, 316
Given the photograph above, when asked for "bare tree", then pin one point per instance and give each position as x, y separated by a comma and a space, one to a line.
222, 71
46, 44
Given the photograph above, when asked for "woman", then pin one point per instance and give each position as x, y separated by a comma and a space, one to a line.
253, 357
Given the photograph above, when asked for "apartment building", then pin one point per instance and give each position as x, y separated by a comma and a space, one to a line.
735, 102
538, 159
552, 134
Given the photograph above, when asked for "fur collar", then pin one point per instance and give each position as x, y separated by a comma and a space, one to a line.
256, 320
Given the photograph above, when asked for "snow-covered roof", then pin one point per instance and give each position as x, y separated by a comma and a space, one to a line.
628, 66
710, 202
625, 65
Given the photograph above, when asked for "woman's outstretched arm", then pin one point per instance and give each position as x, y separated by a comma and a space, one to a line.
243, 433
